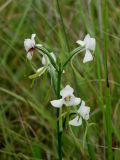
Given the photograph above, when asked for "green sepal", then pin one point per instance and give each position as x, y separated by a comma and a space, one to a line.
39, 73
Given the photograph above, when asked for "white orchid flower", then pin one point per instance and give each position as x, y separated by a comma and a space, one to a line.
83, 112
68, 98
89, 44
29, 45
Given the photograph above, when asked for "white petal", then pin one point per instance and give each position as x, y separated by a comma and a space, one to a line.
92, 44
57, 103
77, 121
29, 43
33, 36
81, 105
44, 60
89, 42
88, 57
77, 101
29, 55
81, 43
66, 91
84, 112
86, 37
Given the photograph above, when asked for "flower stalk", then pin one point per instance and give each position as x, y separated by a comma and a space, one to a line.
73, 54
59, 131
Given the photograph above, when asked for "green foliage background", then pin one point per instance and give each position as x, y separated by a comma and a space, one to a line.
27, 120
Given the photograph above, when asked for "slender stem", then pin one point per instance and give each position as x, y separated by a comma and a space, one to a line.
91, 149
63, 26
59, 132
73, 53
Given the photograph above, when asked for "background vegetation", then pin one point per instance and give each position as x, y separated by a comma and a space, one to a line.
27, 120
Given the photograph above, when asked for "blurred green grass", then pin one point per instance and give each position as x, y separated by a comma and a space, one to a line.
27, 121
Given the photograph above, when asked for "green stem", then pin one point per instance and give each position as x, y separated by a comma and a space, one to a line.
91, 149
59, 132
73, 53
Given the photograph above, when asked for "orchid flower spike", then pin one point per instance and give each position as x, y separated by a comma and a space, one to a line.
29, 45
68, 98
83, 112
89, 44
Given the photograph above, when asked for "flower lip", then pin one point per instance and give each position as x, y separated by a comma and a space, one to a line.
77, 121
31, 49
69, 100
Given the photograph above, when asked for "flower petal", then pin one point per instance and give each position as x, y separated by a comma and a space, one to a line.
77, 101
33, 36
77, 121
89, 42
87, 37
66, 91
81, 105
92, 44
88, 57
57, 103
29, 55
81, 43
44, 60
84, 112
29, 43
